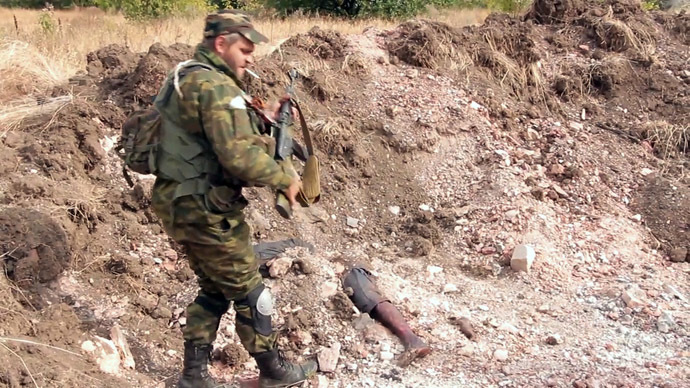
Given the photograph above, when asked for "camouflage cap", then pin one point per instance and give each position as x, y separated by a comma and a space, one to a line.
229, 21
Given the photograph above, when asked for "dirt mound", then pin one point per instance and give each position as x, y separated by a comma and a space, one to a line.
34, 246
549, 11
665, 209
133, 80
428, 44
677, 25
323, 44
110, 59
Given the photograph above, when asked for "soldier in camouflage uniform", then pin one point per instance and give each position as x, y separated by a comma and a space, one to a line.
210, 148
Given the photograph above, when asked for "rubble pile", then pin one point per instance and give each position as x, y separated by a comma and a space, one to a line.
525, 208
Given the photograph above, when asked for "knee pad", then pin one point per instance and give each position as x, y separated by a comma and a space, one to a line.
361, 290
260, 303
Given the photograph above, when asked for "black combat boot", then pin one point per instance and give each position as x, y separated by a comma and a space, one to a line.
275, 371
195, 372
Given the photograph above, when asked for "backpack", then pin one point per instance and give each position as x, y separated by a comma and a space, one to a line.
140, 133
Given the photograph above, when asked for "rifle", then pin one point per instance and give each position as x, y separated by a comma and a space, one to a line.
286, 146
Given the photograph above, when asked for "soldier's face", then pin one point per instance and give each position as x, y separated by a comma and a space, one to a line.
238, 55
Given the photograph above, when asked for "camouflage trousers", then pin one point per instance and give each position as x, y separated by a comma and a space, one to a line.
221, 256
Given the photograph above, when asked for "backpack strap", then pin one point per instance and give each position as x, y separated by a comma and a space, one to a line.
180, 71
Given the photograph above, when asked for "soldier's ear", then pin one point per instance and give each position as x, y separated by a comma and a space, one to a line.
220, 44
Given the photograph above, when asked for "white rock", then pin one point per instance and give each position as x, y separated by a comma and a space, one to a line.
88, 346
412, 73
633, 297
394, 209
665, 323
328, 358
509, 328
434, 269
323, 382
483, 307
279, 267
425, 207
646, 171
328, 289
171, 352
500, 354
669, 289
512, 215
475, 105
107, 356
576, 126
386, 356
352, 222
450, 288
123, 347
523, 257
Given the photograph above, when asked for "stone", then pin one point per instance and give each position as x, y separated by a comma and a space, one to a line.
450, 288
412, 73
88, 346
669, 289
279, 267
665, 323
123, 347
559, 190
633, 297
557, 169
329, 289
554, 339
522, 259
386, 356
500, 355
328, 358
322, 382
646, 171
512, 215
161, 312
170, 254
576, 126
352, 222
465, 327
508, 328
394, 209
678, 255
107, 356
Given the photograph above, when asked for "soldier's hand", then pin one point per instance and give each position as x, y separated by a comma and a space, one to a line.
273, 111
292, 190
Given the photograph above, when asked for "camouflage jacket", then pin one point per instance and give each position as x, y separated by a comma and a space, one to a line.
213, 107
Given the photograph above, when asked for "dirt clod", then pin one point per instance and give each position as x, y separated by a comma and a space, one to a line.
34, 246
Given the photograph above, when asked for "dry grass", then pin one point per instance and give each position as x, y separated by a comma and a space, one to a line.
667, 139
35, 58
27, 111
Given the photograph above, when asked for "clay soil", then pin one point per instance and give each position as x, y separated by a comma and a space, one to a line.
441, 149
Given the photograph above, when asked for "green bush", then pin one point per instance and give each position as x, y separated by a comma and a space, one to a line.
47, 23
651, 5
510, 6
153, 9
366, 8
